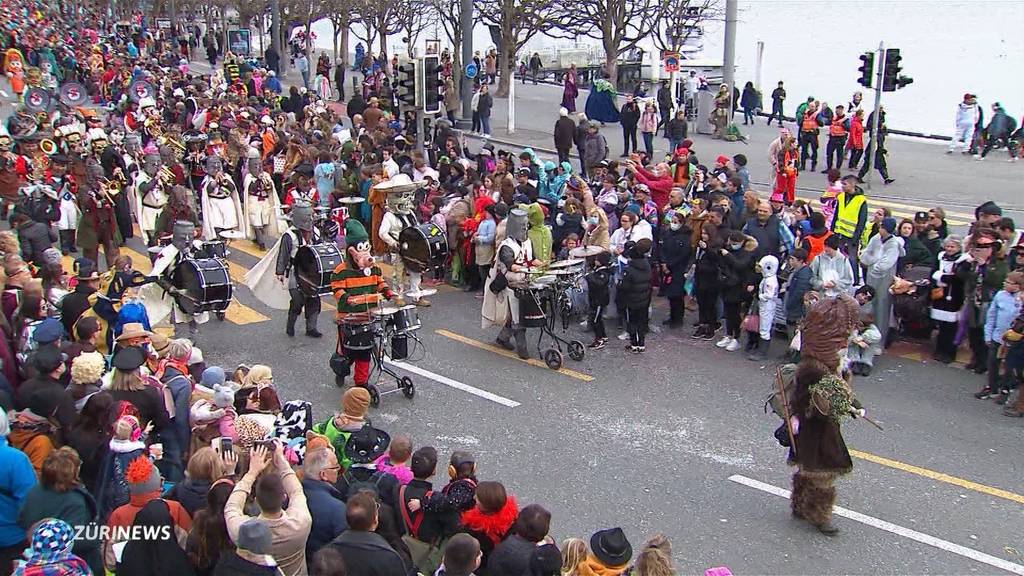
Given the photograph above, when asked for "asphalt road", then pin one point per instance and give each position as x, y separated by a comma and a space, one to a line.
650, 442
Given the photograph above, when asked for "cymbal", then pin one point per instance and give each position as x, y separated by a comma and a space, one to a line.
154, 249
586, 251
561, 272
352, 200
422, 293
567, 263
231, 234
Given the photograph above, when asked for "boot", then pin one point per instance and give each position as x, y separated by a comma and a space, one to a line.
290, 326
760, 352
521, 350
311, 330
1015, 405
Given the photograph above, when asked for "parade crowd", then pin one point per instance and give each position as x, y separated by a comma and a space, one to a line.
111, 431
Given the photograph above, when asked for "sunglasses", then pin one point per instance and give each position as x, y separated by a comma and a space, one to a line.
989, 245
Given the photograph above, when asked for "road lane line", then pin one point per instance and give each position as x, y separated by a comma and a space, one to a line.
508, 354
939, 476
454, 383
896, 529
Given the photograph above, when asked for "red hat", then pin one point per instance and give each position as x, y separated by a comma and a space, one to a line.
722, 159
969, 95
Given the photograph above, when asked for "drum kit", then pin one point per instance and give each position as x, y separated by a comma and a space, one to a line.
545, 300
422, 246
386, 332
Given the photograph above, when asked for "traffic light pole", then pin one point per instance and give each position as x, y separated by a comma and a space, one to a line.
877, 115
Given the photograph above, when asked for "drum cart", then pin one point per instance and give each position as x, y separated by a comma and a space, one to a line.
389, 331
544, 305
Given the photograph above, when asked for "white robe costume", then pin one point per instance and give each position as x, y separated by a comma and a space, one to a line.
147, 206
221, 213
264, 212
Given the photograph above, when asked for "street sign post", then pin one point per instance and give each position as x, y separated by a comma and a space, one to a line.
670, 60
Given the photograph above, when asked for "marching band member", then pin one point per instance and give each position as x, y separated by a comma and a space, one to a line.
357, 284
150, 195
398, 217
515, 255
67, 197
221, 207
98, 224
261, 204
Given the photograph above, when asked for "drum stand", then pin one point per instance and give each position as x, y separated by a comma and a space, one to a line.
380, 352
555, 305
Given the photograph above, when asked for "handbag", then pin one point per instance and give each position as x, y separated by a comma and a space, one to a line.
937, 293
751, 323
425, 556
498, 283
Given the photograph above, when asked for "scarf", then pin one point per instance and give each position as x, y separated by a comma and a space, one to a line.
593, 567
495, 525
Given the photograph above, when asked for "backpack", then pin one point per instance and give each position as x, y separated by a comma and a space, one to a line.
371, 484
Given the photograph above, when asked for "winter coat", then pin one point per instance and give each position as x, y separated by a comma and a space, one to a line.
35, 238
111, 485
483, 107
231, 564
749, 99
798, 284
580, 137
676, 129
565, 133
676, 254
635, 285
368, 554
739, 267
629, 116
836, 269
648, 122
16, 481
289, 531
660, 186
191, 494
328, 512
150, 403
49, 398
855, 140
915, 254
76, 507
947, 308
92, 447
705, 272
999, 126
1004, 308
598, 281
978, 298
595, 149
511, 557
966, 114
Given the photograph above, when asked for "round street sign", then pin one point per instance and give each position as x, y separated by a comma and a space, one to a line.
471, 70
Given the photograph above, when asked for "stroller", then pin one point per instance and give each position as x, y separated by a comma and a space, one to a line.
910, 292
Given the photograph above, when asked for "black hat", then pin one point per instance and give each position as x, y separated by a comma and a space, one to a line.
611, 547
129, 358
920, 216
304, 169
47, 358
58, 159
545, 560
366, 445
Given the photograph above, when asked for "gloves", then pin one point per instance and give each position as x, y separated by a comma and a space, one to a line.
859, 413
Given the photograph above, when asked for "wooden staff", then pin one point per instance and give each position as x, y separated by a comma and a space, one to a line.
785, 408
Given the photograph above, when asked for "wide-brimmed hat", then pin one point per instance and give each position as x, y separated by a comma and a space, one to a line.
133, 330
366, 445
129, 359
611, 547
400, 183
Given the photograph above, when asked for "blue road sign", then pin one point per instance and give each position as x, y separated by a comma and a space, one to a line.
471, 70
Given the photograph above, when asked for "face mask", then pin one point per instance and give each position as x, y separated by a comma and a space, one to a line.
592, 221
735, 246
675, 226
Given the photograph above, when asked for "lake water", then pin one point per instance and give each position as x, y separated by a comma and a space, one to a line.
948, 48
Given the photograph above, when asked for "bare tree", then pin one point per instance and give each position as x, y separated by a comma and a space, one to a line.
414, 16
619, 24
678, 21
342, 13
448, 13
518, 21
384, 17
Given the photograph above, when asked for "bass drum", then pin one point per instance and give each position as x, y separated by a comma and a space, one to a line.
422, 246
206, 284
314, 265
531, 311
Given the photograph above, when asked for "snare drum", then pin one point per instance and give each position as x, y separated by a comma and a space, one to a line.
212, 249
422, 246
531, 315
406, 319
206, 284
357, 335
314, 265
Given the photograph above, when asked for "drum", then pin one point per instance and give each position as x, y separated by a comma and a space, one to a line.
422, 246
212, 249
406, 319
357, 335
206, 284
531, 315
314, 265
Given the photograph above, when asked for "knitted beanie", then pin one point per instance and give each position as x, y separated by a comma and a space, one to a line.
355, 402
142, 476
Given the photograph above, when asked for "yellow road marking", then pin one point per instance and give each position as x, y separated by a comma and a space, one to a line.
236, 313
508, 354
939, 476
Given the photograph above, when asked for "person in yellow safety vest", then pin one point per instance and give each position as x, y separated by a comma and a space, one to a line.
836, 147
850, 220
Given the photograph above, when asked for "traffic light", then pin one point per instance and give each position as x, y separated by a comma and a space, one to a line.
892, 80
433, 89
866, 69
407, 92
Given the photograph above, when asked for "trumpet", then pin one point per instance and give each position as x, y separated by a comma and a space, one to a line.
167, 140
153, 128
48, 147
167, 176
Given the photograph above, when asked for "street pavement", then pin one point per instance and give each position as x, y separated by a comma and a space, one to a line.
671, 441
676, 441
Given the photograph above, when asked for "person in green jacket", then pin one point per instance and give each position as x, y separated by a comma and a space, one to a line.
354, 404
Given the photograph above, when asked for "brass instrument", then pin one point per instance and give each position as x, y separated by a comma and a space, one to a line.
167, 176
153, 127
168, 140
40, 164
48, 147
